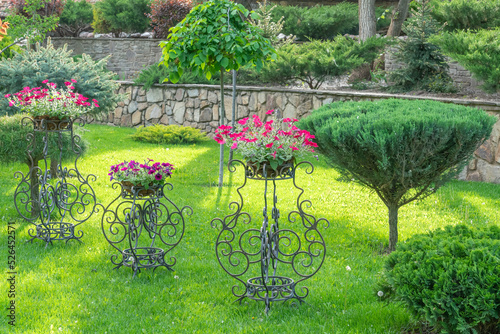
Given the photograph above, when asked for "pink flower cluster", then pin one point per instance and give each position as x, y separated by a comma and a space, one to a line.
260, 141
141, 173
38, 101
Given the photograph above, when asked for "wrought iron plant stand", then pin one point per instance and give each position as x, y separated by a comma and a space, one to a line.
50, 201
134, 221
271, 245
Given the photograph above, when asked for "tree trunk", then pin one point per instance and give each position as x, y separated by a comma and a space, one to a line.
53, 168
221, 117
393, 226
398, 17
367, 19
233, 119
34, 190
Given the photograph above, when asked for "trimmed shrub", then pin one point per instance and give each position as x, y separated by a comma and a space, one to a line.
165, 14
169, 134
478, 52
467, 14
117, 16
449, 277
402, 149
425, 66
313, 62
75, 18
57, 65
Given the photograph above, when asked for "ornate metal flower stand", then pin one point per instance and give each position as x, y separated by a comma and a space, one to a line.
299, 256
46, 201
136, 219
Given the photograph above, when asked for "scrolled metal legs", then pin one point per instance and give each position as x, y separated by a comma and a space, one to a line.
134, 224
271, 247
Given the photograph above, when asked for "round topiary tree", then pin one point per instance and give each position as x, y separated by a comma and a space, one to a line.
215, 37
13, 149
402, 149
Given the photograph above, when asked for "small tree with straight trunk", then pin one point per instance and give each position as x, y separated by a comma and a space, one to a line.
403, 150
215, 37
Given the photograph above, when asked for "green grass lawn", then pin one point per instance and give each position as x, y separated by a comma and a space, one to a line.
72, 288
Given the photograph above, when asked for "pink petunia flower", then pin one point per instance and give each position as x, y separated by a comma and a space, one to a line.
269, 145
45, 81
269, 112
234, 146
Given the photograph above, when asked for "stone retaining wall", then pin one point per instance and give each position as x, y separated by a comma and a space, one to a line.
198, 106
129, 56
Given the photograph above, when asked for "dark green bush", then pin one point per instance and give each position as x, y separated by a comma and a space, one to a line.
467, 14
122, 16
323, 22
57, 65
313, 62
424, 66
449, 277
169, 134
75, 18
478, 52
402, 149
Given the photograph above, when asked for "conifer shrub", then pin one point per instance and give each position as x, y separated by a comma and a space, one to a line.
117, 16
402, 149
167, 13
424, 65
467, 14
75, 18
449, 277
478, 52
169, 134
32, 67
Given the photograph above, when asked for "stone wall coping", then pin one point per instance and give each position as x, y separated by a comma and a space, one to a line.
373, 95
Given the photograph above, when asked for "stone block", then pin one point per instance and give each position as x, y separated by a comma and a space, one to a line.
290, 111
154, 95
118, 112
126, 120
215, 112
489, 173
242, 112
168, 110
244, 99
132, 107
179, 95
203, 94
196, 103
153, 111
203, 104
136, 118
179, 110
261, 97
193, 93
485, 152
473, 164
212, 97
164, 120
205, 115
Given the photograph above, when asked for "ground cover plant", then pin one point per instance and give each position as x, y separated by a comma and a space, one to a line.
72, 287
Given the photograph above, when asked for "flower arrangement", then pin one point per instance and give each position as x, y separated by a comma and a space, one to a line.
276, 141
51, 102
148, 174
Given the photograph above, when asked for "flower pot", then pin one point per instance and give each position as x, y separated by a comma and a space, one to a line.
140, 190
255, 170
51, 123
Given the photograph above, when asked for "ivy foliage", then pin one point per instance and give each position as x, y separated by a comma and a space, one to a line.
402, 149
169, 134
449, 277
478, 52
214, 37
32, 67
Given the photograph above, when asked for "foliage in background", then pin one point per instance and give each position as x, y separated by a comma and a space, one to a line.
270, 29
169, 134
478, 52
165, 14
56, 65
467, 14
324, 22
6, 41
75, 18
313, 62
121, 16
14, 140
401, 149
33, 19
424, 66
449, 277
